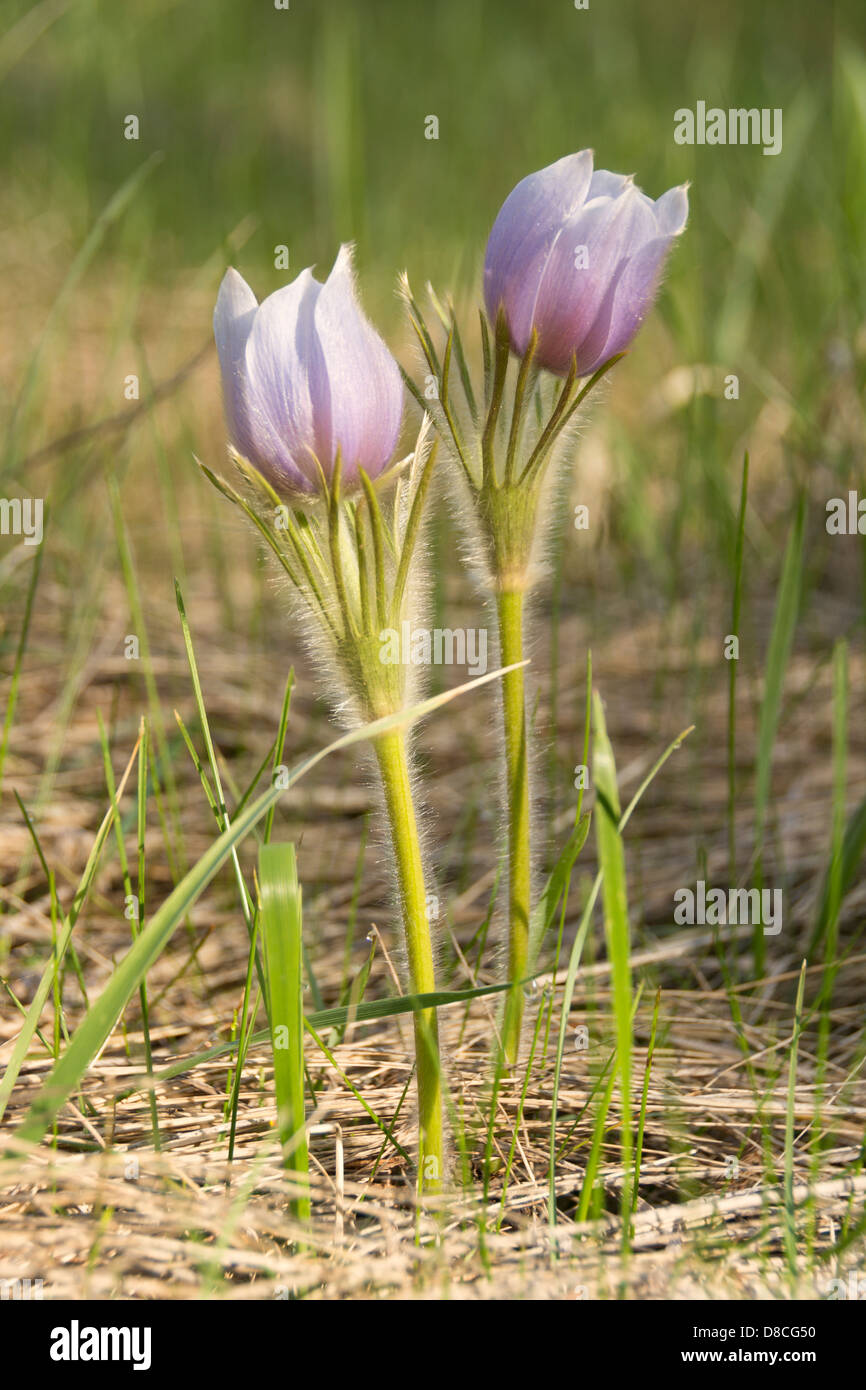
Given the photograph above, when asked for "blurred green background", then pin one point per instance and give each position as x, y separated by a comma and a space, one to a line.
312, 120
306, 127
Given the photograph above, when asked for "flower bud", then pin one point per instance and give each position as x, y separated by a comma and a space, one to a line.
578, 256
304, 375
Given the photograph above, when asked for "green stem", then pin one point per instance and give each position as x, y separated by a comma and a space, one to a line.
510, 613
394, 771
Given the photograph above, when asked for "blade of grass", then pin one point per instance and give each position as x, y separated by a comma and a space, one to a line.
555, 889
835, 869
518, 1119
368, 1011
591, 1169
349, 938
50, 879
588, 1187
611, 858
248, 1017
222, 811
280, 744
574, 963
350, 1086
163, 759
790, 1225
141, 890
12, 700
353, 992
732, 675
778, 653
137, 898
853, 848
25, 1037
777, 659
556, 886
638, 1148
281, 925
587, 723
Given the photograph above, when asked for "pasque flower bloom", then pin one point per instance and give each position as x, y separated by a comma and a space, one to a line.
308, 381
305, 375
577, 256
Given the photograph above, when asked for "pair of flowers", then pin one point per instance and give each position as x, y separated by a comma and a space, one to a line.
574, 256
314, 407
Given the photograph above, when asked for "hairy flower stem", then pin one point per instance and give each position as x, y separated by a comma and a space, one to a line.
394, 770
510, 614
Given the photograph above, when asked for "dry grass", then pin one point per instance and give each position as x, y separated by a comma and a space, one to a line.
104, 1216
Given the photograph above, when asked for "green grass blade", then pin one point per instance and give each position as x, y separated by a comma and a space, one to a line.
611, 858
790, 1226
223, 819
778, 652
368, 1011
350, 1086
25, 1037
567, 996
281, 922
840, 778
137, 899
853, 849
353, 991
280, 745
732, 674
403, 1003
352, 919
588, 1187
638, 1148
163, 761
592, 1161
574, 963
19, 654
544, 911
141, 895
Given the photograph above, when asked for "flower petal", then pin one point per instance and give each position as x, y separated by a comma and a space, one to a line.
575, 286
604, 184
356, 391
634, 288
630, 299
232, 321
523, 235
279, 409
672, 210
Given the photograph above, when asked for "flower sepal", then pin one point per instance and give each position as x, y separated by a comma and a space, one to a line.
349, 561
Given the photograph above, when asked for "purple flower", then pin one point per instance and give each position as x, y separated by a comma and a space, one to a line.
578, 256
305, 374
